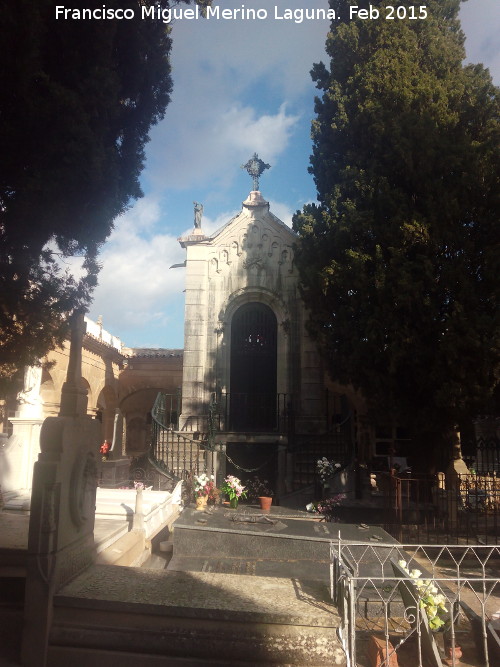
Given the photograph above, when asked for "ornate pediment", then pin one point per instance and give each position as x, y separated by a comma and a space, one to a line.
255, 241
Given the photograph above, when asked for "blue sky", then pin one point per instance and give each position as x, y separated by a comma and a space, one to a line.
240, 86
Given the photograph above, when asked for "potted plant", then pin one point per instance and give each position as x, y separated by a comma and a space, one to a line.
260, 492
204, 487
233, 488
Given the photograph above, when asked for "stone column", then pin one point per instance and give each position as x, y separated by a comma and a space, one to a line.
73, 396
194, 395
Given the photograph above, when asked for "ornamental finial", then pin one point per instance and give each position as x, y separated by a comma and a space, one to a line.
255, 166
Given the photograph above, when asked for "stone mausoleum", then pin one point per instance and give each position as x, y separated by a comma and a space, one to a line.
248, 356
250, 379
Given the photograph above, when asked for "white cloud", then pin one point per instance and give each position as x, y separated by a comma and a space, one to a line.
206, 151
135, 282
238, 88
481, 23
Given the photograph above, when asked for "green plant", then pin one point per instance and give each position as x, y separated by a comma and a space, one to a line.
233, 488
256, 488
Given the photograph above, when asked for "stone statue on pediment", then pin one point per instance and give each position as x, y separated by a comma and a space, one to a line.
198, 214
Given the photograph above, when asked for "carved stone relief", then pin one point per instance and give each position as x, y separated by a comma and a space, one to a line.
83, 488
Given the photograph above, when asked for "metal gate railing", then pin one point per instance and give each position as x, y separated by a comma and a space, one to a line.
389, 596
427, 509
173, 454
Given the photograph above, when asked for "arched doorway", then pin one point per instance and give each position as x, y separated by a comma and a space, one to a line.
253, 368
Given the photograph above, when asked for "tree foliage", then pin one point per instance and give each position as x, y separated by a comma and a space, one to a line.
399, 259
78, 98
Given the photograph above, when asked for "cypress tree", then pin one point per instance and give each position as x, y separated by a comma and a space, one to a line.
399, 257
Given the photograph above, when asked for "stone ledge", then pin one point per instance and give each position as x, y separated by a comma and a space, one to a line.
195, 617
200, 595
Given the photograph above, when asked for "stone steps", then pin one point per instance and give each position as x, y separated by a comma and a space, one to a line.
192, 618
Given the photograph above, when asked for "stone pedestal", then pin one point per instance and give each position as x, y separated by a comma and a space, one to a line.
61, 530
113, 473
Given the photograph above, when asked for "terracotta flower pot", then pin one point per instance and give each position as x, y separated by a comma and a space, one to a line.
265, 503
454, 655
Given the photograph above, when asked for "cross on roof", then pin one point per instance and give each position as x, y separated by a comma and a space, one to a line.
255, 166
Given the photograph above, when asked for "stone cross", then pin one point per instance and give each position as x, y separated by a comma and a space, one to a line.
255, 166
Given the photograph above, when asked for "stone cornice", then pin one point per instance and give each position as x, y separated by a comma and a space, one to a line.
98, 346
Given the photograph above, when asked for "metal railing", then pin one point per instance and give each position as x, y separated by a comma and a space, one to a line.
173, 454
259, 412
337, 447
426, 508
389, 597
487, 454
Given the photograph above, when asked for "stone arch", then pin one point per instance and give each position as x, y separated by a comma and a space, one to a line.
136, 409
84, 384
251, 294
48, 394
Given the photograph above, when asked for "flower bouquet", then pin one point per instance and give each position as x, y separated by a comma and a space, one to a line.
233, 488
203, 485
204, 490
328, 507
326, 469
430, 599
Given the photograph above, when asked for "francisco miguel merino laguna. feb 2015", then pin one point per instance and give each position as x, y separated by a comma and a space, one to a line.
298, 15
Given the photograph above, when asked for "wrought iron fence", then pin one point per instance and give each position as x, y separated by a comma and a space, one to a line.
173, 454
252, 412
428, 508
337, 447
390, 595
487, 453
